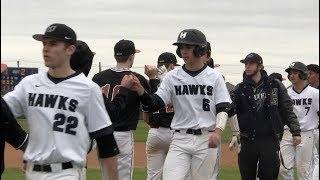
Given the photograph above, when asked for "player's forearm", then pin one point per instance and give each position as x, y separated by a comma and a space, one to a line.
221, 120
151, 102
234, 125
154, 85
109, 168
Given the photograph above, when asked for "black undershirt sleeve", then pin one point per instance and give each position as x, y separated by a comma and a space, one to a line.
223, 107
106, 144
151, 102
13, 133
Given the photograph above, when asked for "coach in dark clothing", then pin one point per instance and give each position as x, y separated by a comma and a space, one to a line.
11, 132
263, 107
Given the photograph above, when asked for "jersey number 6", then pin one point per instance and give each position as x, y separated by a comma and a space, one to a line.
71, 123
206, 104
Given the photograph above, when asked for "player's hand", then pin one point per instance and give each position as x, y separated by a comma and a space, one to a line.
127, 81
296, 140
151, 71
136, 86
162, 71
234, 143
215, 138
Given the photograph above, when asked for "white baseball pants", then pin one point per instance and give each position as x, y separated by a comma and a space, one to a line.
299, 156
125, 144
157, 147
189, 153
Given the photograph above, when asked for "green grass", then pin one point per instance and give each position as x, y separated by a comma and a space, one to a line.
139, 174
141, 133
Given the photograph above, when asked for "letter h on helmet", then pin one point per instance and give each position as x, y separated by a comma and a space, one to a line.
192, 37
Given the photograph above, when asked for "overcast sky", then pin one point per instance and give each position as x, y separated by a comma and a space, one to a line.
281, 31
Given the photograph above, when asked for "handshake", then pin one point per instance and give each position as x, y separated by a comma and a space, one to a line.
128, 81
132, 82
153, 72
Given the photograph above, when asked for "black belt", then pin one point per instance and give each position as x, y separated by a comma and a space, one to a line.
122, 129
47, 168
193, 131
158, 126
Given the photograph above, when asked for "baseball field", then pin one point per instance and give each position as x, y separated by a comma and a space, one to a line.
228, 170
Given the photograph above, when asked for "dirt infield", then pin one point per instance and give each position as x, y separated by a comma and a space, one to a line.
13, 158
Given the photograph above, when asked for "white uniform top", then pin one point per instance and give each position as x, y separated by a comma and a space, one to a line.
60, 116
306, 107
194, 99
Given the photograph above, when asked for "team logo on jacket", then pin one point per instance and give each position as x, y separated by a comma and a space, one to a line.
274, 97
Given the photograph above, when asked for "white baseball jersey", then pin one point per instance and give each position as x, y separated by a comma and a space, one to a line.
60, 116
194, 98
306, 107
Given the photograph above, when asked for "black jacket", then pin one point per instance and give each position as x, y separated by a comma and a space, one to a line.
278, 106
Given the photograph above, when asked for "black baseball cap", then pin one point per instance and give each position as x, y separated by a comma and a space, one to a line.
252, 57
59, 32
167, 57
125, 48
313, 67
277, 76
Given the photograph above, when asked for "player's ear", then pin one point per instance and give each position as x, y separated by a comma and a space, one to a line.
260, 67
70, 49
131, 57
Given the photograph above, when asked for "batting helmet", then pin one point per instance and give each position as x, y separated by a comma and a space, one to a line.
81, 59
192, 37
299, 66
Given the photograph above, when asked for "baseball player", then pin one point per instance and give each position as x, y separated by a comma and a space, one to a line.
201, 101
313, 80
10, 130
64, 111
207, 57
313, 75
124, 124
160, 135
306, 106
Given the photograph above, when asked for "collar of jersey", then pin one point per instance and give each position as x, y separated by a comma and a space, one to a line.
58, 80
193, 73
120, 69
